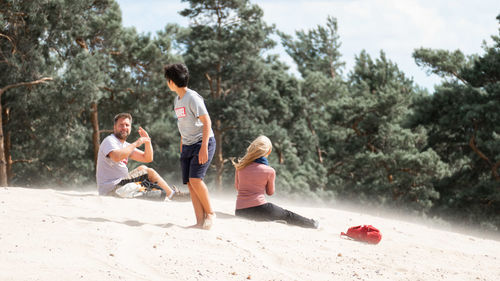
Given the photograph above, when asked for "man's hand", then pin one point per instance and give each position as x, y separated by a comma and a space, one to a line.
145, 156
203, 155
144, 137
142, 140
143, 132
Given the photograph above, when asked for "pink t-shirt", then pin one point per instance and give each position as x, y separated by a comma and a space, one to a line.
252, 183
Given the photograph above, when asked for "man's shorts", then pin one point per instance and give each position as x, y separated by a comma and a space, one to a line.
189, 160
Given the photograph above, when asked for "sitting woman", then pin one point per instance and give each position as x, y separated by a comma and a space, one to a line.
254, 177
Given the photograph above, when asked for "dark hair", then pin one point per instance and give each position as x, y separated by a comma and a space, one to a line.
178, 73
123, 115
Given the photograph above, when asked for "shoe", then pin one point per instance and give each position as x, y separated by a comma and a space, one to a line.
179, 195
315, 224
209, 222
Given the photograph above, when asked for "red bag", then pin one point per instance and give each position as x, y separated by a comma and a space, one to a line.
364, 233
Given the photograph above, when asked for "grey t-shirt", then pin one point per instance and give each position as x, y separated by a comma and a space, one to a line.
110, 173
187, 110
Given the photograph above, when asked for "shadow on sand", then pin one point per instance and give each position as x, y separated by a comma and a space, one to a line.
79, 194
127, 222
221, 215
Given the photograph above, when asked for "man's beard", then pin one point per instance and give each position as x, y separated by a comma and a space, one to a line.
121, 135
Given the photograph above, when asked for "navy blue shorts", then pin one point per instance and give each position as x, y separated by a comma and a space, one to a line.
189, 160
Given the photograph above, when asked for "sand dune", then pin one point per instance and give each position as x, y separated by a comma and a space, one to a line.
51, 234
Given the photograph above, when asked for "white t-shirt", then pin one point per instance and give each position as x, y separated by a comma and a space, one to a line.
187, 110
109, 173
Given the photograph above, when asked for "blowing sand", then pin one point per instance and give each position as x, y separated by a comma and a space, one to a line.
68, 235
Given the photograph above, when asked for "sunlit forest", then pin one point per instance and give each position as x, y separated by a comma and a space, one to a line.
368, 135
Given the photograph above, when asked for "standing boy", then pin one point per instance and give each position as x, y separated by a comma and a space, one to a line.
197, 141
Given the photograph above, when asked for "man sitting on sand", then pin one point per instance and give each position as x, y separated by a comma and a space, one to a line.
114, 152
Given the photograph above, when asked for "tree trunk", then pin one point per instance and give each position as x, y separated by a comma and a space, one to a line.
95, 131
8, 158
313, 132
280, 155
7, 146
219, 159
215, 93
494, 167
3, 162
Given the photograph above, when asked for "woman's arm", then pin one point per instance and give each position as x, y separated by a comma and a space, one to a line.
236, 180
270, 183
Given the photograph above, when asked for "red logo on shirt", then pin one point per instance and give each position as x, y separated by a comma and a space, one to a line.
125, 161
180, 112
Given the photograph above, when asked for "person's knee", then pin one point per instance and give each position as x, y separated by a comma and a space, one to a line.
195, 181
151, 172
196, 184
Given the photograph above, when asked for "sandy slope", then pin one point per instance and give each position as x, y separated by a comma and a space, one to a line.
67, 235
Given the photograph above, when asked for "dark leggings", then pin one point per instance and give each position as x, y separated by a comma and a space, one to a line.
271, 212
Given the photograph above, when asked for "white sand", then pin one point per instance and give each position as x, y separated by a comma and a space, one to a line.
67, 235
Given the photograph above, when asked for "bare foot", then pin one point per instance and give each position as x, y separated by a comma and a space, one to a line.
199, 226
209, 221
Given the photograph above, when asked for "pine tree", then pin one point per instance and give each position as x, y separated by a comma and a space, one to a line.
24, 62
223, 52
316, 54
316, 50
376, 158
462, 121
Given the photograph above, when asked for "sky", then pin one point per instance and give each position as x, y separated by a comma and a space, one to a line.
395, 26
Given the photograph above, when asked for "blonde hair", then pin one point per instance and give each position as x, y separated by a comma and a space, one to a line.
258, 148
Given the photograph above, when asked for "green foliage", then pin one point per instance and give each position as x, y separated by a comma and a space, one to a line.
316, 53
373, 157
463, 123
316, 50
441, 62
53, 38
